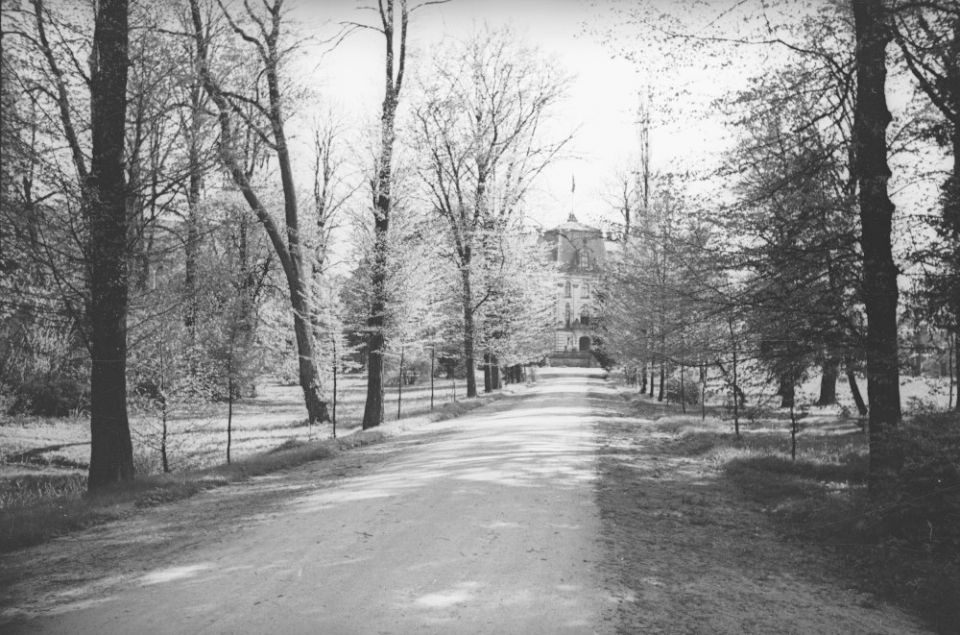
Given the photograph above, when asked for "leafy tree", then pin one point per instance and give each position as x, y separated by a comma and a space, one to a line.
928, 36
262, 34
798, 241
518, 319
394, 67
478, 127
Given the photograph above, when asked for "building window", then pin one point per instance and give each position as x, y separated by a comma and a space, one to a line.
586, 290
585, 318
568, 314
567, 290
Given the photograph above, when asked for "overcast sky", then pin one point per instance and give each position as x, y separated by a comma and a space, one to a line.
602, 98
612, 57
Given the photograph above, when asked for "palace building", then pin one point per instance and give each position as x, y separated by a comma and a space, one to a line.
578, 251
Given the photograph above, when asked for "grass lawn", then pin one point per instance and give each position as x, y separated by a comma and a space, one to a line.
902, 543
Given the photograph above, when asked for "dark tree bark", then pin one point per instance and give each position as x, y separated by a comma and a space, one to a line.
487, 372
828, 381
855, 391
663, 379
383, 203
376, 341
111, 451
468, 327
876, 214
786, 391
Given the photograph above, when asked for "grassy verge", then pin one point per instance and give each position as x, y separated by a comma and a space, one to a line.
37, 507
901, 544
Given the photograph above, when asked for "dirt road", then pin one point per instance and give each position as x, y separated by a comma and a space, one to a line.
556, 510
484, 524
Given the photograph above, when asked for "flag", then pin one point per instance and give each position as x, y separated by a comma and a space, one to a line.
573, 184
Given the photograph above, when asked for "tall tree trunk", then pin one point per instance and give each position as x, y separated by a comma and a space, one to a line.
703, 392
736, 389
111, 450
663, 378
487, 373
383, 204
229, 409
376, 342
468, 328
400, 379
298, 277
309, 373
830, 369
876, 217
683, 389
336, 364
786, 391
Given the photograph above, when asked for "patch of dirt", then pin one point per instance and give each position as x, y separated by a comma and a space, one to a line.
692, 555
75, 570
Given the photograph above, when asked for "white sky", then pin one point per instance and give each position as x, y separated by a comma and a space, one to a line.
601, 103
590, 41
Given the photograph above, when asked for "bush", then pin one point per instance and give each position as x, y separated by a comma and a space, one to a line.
53, 396
921, 496
689, 393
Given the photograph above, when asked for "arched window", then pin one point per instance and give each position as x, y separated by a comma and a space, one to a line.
567, 290
584, 317
584, 258
568, 314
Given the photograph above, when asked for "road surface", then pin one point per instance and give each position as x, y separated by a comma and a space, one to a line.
482, 524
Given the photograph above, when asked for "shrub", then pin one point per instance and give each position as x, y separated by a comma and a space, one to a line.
690, 392
47, 396
921, 496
